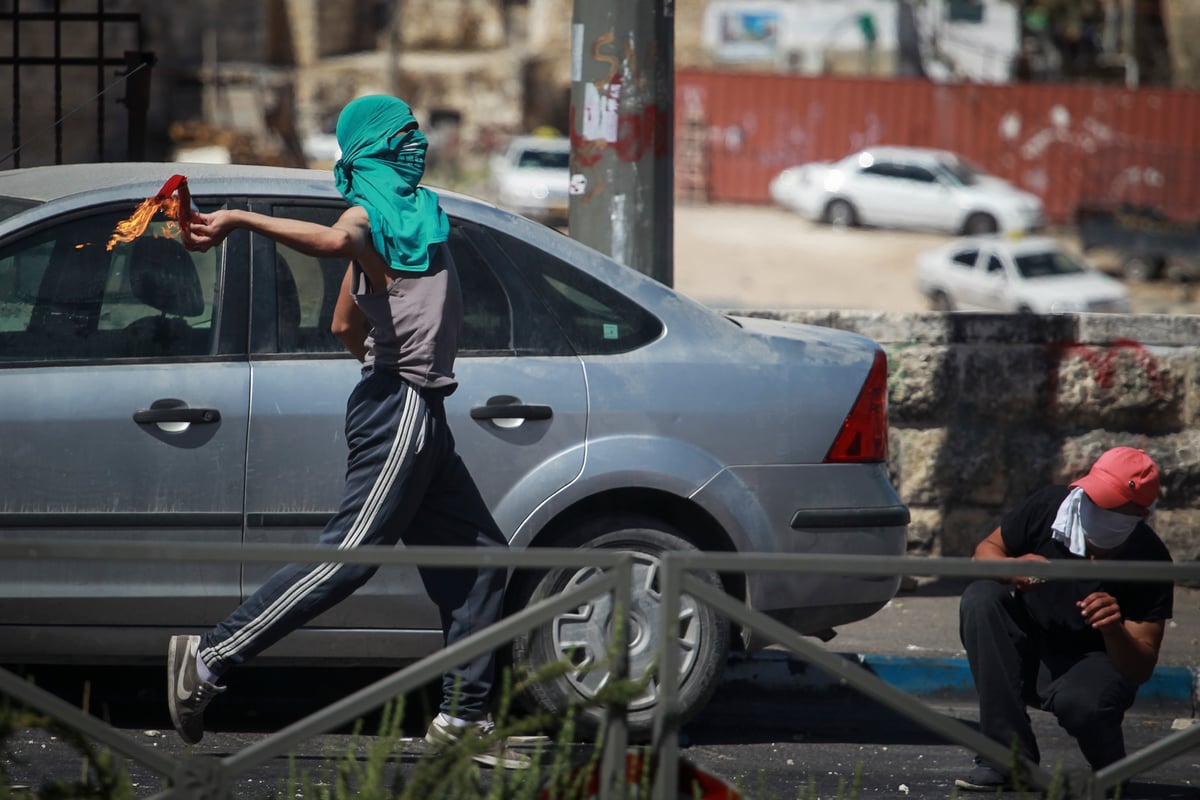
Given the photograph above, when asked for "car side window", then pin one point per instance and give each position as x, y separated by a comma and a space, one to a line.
965, 258
919, 174
66, 294
884, 169
995, 266
307, 289
596, 319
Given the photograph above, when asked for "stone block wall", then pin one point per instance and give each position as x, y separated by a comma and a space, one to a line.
985, 409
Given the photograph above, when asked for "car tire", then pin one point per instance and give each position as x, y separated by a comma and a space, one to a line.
579, 636
979, 224
940, 301
841, 214
1141, 269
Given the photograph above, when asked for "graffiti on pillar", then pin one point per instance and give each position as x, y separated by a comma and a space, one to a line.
615, 114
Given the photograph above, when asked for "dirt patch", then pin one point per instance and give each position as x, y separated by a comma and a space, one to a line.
732, 256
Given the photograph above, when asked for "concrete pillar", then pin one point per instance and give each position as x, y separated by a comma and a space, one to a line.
622, 128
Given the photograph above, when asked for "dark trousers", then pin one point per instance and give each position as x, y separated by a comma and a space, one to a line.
404, 482
1013, 668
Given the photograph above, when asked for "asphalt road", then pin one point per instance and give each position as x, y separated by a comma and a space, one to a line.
770, 745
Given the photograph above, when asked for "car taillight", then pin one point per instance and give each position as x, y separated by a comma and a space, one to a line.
864, 434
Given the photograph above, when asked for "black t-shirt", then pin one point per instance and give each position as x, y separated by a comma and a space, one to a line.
1026, 529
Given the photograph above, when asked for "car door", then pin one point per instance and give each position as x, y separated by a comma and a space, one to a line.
509, 356
929, 203
988, 287
957, 275
879, 193
123, 398
895, 194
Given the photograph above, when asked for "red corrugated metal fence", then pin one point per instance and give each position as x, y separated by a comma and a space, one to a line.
1065, 142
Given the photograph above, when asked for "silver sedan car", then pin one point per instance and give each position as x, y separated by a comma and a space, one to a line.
907, 187
151, 394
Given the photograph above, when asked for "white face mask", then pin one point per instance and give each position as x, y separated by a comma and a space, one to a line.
1080, 521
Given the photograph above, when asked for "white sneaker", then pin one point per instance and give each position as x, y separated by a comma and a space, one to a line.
479, 738
187, 693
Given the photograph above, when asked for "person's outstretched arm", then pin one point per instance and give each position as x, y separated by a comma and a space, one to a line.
346, 238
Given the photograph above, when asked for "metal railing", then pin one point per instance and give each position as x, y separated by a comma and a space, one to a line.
675, 582
195, 777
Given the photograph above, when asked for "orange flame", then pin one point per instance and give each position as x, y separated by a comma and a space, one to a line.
136, 223
174, 200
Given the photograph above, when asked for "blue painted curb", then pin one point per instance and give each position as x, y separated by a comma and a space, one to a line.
925, 676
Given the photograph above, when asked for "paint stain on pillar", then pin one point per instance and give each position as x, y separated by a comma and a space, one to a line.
630, 132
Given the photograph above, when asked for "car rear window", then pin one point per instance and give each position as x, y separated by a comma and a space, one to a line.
596, 319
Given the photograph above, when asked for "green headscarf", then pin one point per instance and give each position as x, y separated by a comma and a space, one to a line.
380, 170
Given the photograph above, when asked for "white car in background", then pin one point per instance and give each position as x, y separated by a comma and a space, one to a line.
1027, 275
532, 177
907, 187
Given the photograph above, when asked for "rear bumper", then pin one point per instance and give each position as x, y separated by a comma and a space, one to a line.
849, 510
810, 603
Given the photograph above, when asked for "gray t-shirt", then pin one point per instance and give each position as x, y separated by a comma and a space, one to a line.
415, 323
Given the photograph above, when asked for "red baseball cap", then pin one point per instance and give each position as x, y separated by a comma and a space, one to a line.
1122, 475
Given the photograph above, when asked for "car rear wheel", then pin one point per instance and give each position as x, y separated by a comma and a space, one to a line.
980, 223
940, 301
580, 638
840, 214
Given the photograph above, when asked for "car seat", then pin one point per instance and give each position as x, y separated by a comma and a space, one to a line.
163, 276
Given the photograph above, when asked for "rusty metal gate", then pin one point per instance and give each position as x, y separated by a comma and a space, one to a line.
44, 68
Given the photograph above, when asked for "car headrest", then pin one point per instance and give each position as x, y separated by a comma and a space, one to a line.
163, 275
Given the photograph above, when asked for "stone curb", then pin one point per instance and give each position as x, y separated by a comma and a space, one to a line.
1171, 688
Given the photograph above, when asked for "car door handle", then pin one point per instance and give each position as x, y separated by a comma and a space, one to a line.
512, 411
150, 416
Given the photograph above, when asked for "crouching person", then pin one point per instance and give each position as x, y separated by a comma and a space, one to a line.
1076, 648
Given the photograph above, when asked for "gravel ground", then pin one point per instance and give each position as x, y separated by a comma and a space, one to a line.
734, 256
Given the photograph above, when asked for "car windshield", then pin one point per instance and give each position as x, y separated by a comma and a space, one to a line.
11, 206
960, 171
1052, 262
544, 159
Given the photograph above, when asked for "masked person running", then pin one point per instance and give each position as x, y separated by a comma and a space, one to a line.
1076, 648
404, 479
